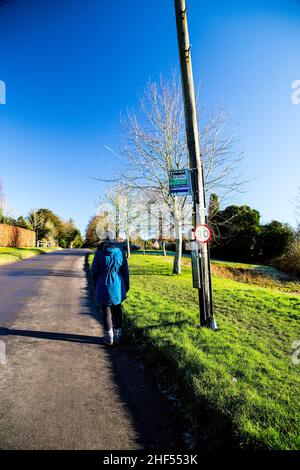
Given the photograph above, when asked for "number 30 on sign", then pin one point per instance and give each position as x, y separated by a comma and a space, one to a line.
203, 233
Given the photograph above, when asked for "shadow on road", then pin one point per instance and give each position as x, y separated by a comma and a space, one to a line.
41, 273
51, 335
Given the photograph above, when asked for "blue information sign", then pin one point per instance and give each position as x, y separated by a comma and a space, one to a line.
180, 182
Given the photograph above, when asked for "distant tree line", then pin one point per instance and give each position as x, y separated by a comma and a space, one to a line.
48, 227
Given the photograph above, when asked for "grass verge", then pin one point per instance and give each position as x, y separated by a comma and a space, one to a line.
238, 383
10, 255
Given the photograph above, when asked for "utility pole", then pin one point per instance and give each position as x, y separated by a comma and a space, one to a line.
197, 181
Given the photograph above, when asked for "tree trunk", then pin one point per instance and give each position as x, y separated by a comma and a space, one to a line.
128, 246
164, 248
178, 237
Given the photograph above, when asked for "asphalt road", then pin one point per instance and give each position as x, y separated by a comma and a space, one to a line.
60, 388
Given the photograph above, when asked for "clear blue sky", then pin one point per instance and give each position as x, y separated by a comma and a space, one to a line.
71, 66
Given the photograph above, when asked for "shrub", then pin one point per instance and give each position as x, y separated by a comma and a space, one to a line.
171, 246
290, 261
63, 243
238, 235
273, 240
77, 242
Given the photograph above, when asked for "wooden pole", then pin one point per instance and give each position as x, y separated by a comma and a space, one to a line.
192, 134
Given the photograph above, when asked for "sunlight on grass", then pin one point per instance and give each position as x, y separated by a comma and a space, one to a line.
10, 255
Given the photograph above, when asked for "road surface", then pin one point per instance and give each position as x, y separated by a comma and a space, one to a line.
60, 388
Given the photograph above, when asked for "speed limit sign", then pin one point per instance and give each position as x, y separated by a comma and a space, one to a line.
203, 233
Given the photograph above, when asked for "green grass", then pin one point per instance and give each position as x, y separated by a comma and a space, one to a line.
257, 274
239, 382
9, 255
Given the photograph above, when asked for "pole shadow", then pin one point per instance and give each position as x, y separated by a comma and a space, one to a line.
50, 335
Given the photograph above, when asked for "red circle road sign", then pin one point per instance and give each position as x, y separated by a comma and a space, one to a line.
203, 233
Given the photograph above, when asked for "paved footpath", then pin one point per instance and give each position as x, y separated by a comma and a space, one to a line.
60, 388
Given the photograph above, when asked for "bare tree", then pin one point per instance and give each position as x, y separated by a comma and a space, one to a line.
297, 207
123, 206
155, 143
163, 223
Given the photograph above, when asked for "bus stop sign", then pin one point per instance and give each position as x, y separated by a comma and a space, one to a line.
203, 233
180, 182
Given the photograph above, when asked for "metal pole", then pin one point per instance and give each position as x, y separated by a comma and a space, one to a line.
192, 133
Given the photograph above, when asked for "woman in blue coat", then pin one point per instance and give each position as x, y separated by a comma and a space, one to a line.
111, 282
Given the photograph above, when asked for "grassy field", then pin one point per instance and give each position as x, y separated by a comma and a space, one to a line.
9, 255
239, 382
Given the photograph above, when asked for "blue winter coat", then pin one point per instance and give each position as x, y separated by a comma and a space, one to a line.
110, 275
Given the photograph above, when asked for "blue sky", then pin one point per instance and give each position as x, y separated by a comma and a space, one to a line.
71, 66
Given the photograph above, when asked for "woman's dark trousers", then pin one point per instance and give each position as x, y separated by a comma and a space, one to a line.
113, 316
